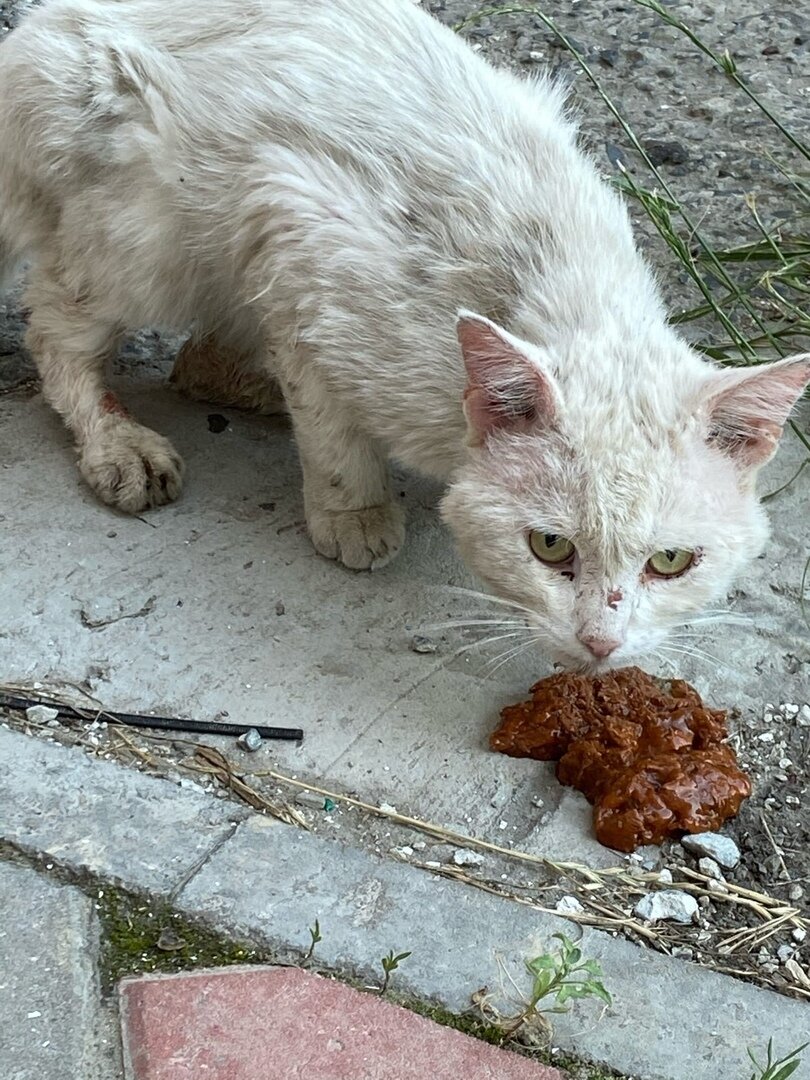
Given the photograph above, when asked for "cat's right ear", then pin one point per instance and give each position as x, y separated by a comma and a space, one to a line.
506, 389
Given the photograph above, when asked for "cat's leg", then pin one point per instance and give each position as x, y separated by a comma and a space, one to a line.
209, 370
351, 515
128, 465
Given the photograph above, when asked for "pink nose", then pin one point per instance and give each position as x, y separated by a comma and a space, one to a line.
600, 647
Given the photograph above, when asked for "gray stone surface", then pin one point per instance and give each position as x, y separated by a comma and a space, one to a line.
95, 817
52, 1023
669, 1020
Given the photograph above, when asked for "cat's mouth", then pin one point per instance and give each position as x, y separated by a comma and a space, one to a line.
589, 665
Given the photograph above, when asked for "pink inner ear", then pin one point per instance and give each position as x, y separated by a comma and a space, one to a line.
505, 389
747, 416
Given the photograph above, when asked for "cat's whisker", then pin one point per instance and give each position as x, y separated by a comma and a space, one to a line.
511, 654
700, 655
489, 599
480, 642
454, 624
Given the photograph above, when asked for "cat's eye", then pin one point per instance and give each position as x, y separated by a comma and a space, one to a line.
670, 563
550, 548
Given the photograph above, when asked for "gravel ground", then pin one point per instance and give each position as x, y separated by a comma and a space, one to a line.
714, 148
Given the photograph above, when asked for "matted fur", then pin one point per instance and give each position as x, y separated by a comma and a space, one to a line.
320, 188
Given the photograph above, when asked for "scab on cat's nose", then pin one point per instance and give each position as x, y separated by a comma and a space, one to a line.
600, 647
614, 598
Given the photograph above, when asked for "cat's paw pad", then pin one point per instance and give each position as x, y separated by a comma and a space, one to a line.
131, 468
360, 539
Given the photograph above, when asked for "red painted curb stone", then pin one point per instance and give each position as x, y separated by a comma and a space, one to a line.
265, 1023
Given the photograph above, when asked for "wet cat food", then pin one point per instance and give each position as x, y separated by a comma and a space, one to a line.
648, 754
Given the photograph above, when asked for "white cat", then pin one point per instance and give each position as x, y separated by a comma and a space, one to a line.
345, 196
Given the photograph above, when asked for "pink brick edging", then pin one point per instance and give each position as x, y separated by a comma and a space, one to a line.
271, 1023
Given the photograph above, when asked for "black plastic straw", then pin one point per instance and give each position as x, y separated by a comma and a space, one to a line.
161, 723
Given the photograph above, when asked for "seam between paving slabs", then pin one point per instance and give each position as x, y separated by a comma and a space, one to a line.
267, 882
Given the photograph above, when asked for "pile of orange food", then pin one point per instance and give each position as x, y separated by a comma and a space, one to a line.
649, 755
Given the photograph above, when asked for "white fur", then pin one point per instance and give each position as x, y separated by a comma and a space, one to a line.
320, 187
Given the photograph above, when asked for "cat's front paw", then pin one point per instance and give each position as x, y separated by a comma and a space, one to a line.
360, 539
131, 467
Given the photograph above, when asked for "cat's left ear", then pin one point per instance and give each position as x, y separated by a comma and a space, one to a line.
507, 387
747, 409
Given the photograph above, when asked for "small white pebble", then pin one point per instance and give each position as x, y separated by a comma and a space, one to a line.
387, 808
503, 825
569, 905
33, 1015
464, 857
665, 876
790, 711
799, 934
766, 737
804, 716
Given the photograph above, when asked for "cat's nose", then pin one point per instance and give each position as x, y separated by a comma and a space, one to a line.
600, 647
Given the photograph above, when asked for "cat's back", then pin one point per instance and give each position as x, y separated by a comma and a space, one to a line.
380, 82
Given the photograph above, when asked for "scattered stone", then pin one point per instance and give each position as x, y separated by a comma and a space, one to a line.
714, 846
465, 857
666, 152
609, 57
665, 876
538, 802
41, 714
790, 711
170, 940
710, 868
795, 892
217, 423
251, 740
799, 935
280, 608
422, 644
683, 952
716, 887
500, 798
785, 953
387, 808
671, 904
766, 737
569, 905
403, 852
804, 716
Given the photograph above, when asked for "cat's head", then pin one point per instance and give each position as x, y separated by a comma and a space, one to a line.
619, 506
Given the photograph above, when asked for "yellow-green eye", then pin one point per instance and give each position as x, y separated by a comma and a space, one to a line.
550, 548
670, 563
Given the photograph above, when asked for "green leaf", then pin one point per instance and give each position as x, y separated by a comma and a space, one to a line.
542, 963
542, 981
788, 1070
574, 957
599, 991
593, 967
571, 991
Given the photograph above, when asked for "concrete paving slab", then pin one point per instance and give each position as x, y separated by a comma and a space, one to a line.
669, 1020
398, 726
209, 1023
51, 1019
95, 817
